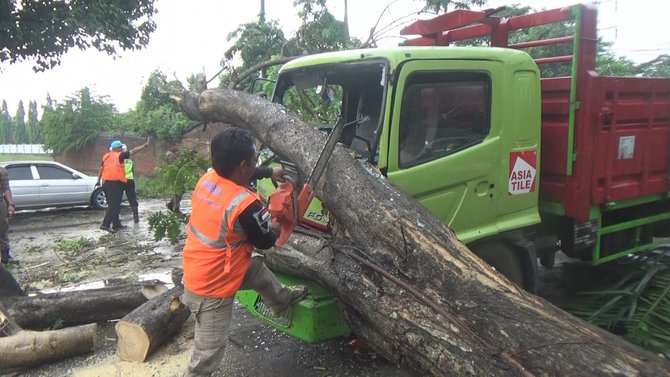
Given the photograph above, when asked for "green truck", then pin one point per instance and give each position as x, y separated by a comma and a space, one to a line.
517, 164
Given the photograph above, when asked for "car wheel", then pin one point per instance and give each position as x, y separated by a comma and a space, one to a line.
98, 199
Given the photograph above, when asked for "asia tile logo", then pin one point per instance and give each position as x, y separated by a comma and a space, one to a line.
522, 172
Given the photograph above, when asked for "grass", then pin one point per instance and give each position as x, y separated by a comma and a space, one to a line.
21, 157
149, 187
71, 244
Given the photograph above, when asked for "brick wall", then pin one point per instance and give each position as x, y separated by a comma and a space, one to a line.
88, 159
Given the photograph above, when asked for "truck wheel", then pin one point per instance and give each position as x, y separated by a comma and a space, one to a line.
503, 258
98, 199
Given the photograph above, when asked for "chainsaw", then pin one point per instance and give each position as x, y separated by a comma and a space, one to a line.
288, 204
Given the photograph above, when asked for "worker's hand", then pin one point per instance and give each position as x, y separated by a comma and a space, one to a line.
278, 174
10, 210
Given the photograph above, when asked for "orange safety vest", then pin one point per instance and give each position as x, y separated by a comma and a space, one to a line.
112, 168
217, 254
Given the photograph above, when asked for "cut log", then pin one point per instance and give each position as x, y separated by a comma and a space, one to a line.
75, 307
7, 325
30, 348
146, 328
407, 284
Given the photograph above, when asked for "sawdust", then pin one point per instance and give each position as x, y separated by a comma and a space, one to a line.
170, 360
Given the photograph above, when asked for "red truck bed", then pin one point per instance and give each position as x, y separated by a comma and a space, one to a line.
621, 142
616, 130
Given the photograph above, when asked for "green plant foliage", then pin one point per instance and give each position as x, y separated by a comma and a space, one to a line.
255, 42
637, 305
319, 32
75, 123
45, 29
14, 157
309, 105
149, 187
5, 124
183, 172
322, 34
34, 126
70, 277
70, 245
166, 224
439, 6
20, 129
176, 176
659, 67
156, 113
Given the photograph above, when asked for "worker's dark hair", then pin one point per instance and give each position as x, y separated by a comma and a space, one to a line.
229, 148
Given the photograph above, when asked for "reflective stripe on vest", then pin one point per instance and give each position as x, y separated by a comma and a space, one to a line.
217, 254
220, 241
128, 165
112, 168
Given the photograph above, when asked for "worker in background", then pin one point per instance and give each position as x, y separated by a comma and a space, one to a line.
112, 176
227, 222
130, 186
6, 211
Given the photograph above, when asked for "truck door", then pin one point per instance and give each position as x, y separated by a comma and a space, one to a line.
441, 149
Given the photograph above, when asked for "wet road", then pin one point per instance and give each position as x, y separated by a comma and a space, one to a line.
255, 349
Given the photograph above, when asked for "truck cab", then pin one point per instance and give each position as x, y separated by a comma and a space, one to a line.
456, 128
518, 165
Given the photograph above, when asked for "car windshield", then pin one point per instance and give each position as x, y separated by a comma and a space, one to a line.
347, 92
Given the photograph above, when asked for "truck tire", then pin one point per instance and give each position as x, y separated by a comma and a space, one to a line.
503, 258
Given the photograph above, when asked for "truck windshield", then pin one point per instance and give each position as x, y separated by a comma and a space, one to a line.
326, 94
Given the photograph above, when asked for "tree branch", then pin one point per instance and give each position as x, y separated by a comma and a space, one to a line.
269, 63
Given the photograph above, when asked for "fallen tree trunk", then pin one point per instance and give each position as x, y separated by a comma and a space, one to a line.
30, 348
408, 285
75, 307
146, 328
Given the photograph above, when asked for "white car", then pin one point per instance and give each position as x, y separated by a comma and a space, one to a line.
44, 184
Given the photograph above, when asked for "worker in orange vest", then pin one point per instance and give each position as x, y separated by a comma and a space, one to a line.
227, 222
113, 177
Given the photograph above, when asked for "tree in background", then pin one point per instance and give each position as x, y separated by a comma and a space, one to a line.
320, 31
43, 30
156, 113
76, 122
20, 130
34, 126
262, 44
441, 6
5, 123
255, 42
49, 103
659, 67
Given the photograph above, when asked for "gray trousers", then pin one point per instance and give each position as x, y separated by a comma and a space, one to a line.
213, 316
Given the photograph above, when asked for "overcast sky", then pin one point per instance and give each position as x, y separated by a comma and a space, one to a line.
191, 37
